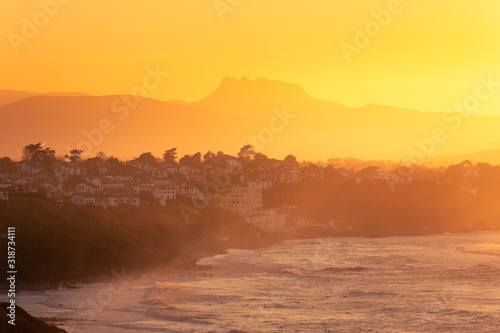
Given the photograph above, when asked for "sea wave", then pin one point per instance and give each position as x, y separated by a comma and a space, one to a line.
344, 269
170, 313
293, 271
362, 293
491, 252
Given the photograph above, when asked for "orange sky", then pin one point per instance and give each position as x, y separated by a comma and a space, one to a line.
427, 57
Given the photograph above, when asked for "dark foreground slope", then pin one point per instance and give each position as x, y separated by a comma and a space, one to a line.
58, 244
24, 323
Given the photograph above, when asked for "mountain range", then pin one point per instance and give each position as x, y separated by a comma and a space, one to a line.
277, 117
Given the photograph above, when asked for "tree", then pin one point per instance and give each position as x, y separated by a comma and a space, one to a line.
291, 161
36, 153
193, 161
185, 160
456, 173
260, 157
196, 160
113, 162
483, 170
74, 155
94, 161
93, 164
170, 156
117, 167
208, 158
370, 171
246, 153
7, 166
102, 156
147, 158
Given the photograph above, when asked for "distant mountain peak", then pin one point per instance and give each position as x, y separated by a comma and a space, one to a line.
260, 82
10, 96
245, 96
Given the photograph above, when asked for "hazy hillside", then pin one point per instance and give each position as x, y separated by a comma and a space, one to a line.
237, 113
150, 125
487, 156
9, 96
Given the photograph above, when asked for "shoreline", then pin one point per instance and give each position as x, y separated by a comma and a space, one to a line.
187, 259
182, 269
50, 299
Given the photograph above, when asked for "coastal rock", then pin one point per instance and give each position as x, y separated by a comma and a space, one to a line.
24, 322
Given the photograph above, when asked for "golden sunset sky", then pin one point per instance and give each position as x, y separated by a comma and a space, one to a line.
427, 57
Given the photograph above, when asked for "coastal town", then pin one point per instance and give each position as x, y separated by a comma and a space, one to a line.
232, 183
276, 196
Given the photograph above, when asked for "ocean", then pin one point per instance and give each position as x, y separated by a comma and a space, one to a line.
435, 283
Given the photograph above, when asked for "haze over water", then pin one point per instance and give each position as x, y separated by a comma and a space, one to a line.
436, 283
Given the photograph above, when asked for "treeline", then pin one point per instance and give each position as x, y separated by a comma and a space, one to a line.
251, 160
45, 157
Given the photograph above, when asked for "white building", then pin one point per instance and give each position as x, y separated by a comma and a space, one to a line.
233, 164
83, 199
193, 192
30, 168
66, 169
87, 188
302, 221
290, 176
143, 187
264, 185
120, 200
193, 174
340, 225
112, 185
164, 193
240, 200
269, 220
161, 182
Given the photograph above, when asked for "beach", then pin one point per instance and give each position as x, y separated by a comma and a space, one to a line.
396, 284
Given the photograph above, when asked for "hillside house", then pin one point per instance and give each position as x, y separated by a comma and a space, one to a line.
240, 200
269, 220
164, 193
83, 199
87, 188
